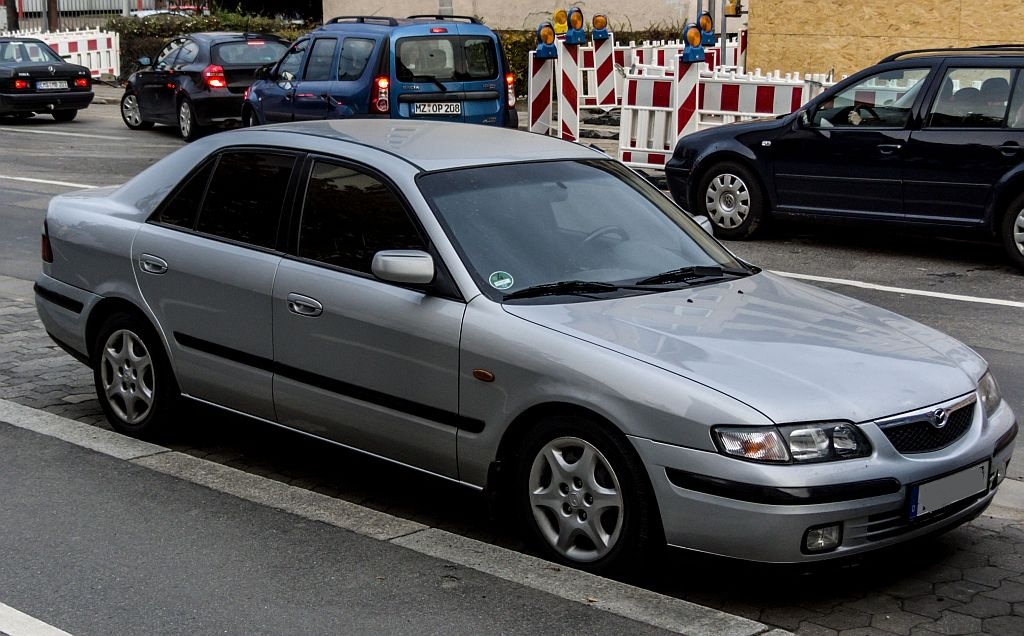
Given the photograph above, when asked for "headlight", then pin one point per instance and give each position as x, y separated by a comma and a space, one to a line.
988, 391
796, 443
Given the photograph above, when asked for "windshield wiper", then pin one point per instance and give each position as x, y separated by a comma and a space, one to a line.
565, 287
430, 78
692, 273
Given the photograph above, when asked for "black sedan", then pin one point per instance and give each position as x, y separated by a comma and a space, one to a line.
34, 79
197, 80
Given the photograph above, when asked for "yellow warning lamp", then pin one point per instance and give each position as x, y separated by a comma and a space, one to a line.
707, 28
575, 34
561, 18
693, 37
600, 27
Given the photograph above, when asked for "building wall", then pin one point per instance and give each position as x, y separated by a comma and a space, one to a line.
848, 35
526, 14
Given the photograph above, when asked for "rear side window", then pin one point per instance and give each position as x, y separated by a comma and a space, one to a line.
972, 98
256, 52
188, 53
321, 60
348, 216
183, 208
244, 198
355, 53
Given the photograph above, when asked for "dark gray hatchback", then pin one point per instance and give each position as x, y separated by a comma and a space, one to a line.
931, 138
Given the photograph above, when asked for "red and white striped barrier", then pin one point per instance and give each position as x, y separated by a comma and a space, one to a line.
540, 91
568, 91
99, 51
656, 111
597, 69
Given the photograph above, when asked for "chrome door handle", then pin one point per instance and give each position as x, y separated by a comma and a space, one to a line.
304, 305
152, 265
888, 149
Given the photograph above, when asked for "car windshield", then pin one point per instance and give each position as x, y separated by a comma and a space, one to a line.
27, 51
570, 226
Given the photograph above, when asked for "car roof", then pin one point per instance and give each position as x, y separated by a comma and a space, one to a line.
384, 24
990, 50
433, 145
212, 36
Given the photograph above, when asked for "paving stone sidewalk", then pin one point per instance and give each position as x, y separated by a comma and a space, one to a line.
968, 581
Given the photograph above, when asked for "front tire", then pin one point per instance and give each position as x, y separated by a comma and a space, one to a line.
583, 495
730, 196
188, 126
1011, 231
132, 376
64, 115
131, 113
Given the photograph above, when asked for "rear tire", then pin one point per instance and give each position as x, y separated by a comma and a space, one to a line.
64, 115
188, 127
1011, 231
730, 196
133, 378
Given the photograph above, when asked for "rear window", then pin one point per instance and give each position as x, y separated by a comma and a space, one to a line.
249, 52
447, 58
27, 51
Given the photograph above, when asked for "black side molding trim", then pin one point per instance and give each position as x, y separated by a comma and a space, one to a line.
780, 496
58, 299
353, 391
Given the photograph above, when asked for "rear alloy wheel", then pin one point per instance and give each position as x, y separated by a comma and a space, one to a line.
133, 379
1012, 231
64, 115
583, 496
187, 125
132, 114
731, 198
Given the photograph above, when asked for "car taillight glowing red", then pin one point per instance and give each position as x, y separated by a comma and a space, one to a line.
438, 30
380, 101
213, 75
245, 95
45, 251
20, 84
82, 82
510, 84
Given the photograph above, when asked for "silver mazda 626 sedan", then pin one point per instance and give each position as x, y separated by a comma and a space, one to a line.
513, 312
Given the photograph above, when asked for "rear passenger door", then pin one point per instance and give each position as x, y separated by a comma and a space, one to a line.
205, 264
969, 139
313, 89
367, 363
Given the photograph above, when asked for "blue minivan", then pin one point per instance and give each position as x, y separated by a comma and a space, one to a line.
449, 68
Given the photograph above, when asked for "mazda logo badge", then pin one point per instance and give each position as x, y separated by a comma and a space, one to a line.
50, 68
939, 417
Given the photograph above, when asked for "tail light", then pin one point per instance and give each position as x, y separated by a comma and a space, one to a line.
45, 251
82, 82
380, 101
510, 85
213, 75
20, 84
245, 95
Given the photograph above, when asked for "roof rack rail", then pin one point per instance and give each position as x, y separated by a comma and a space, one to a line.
984, 47
437, 16
363, 19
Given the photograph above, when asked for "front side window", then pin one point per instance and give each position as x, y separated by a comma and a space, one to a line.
529, 224
166, 55
321, 60
355, 53
291, 63
882, 100
972, 98
348, 216
244, 197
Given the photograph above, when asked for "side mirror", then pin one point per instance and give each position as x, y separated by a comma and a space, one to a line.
410, 267
145, 61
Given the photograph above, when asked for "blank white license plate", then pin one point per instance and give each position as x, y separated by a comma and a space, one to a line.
437, 108
935, 495
51, 85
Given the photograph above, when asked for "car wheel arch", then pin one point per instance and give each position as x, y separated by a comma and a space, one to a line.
110, 306
1004, 195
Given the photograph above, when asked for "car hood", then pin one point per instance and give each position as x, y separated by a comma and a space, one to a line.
794, 352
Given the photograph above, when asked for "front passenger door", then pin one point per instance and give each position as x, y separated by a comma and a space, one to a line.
367, 363
156, 96
278, 96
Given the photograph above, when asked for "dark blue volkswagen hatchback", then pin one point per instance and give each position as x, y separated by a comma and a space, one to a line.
448, 68
929, 139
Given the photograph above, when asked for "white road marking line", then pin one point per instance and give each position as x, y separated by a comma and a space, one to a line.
901, 290
17, 623
49, 182
59, 133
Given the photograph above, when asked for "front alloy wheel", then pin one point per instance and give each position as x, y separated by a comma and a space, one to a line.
731, 198
132, 114
576, 499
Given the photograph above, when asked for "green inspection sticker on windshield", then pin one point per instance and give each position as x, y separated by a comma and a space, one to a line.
500, 280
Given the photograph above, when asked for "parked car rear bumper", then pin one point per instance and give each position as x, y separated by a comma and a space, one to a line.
44, 102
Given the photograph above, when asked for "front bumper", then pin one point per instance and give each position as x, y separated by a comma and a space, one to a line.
759, 512
44, 102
